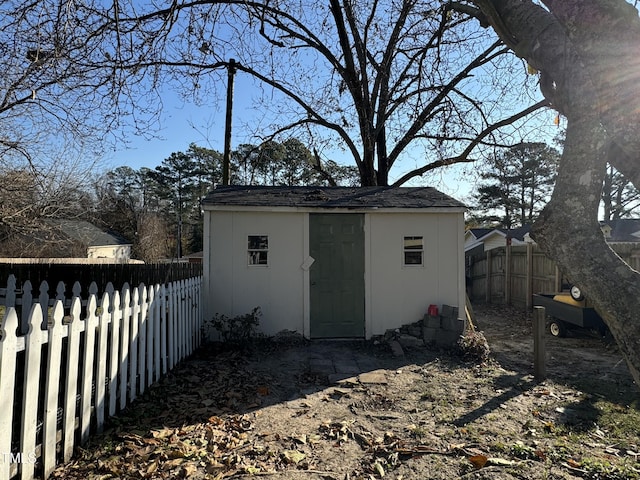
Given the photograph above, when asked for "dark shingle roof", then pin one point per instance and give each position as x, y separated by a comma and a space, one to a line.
331, 197
87, 233
624, 230
517, 233
480, 232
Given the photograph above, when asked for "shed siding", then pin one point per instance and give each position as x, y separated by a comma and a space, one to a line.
401, 294
394, 294
278, 289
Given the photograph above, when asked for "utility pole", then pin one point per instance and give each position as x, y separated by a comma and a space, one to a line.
226, 160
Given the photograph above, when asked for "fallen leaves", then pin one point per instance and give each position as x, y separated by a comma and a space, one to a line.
479, 461
215, 419
293, 456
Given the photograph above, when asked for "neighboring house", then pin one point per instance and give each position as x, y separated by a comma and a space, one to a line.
93, 242
624, 230
331, 262
490, 238
192, 258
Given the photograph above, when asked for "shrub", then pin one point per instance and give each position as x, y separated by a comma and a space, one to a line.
238, 329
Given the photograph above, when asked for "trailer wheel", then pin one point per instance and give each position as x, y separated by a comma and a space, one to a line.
576, 294
557, 328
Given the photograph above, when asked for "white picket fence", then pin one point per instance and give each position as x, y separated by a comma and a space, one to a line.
68, 364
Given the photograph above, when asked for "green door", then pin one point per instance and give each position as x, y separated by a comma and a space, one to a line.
337, 275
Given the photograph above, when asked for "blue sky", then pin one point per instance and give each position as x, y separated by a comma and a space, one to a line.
183, 123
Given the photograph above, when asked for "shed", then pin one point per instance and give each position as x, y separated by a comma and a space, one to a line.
332, 262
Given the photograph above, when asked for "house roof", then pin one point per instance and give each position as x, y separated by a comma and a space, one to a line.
479, 232
87, 233
515, 233
624, 230
331, 197
480, 236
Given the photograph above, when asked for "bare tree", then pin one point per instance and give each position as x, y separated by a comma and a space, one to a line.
383, 81
55, 110
586, 53
50, 88
30, 196
620, 199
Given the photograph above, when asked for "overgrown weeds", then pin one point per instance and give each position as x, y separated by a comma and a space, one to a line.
472, 346
239, 329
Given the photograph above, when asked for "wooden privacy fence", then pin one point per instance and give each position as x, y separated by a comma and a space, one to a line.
512, 274
80, 361
55, 270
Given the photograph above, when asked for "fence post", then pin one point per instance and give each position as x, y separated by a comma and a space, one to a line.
52, 388
88, 362
151, 330
101, 367
529, 281
507, 274
157, 333
487, 290
27, 301
125, 344
8, 350
114, 366
539, 347
133, 344
74, 328
33, 354
171, 325
10, 297
43, 300
142, 337
164, 326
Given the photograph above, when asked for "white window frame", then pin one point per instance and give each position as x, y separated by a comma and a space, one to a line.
409, 249
255, 253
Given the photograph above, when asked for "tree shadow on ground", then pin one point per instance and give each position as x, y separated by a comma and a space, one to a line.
237, 380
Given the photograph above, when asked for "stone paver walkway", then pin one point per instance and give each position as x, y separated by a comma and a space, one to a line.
339, 363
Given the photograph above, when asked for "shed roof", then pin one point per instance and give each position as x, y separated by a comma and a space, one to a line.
331, 197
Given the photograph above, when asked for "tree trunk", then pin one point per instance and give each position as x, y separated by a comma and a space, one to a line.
569, 232
586, 52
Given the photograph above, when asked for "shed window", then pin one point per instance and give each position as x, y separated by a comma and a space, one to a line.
413, 248
258, 249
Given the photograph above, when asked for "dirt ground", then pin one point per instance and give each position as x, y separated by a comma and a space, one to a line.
428, 415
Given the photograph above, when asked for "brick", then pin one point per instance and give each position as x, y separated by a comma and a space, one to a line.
449, 312
415, 330
410, 341
396, 348
459, 326
431, 322
451, 324
429, 335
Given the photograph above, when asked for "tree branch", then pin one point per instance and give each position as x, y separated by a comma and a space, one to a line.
464, 156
